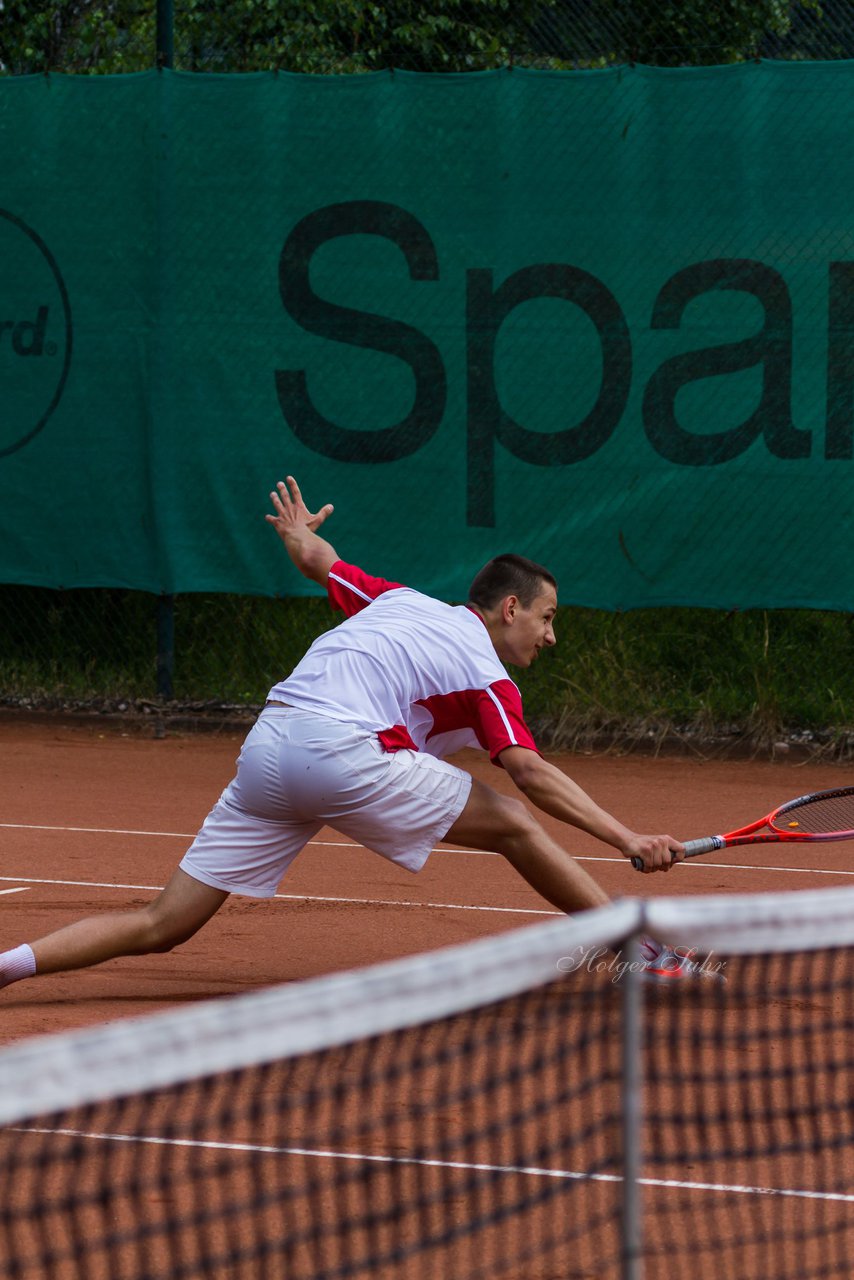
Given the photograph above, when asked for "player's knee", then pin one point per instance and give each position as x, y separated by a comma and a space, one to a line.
161, 933
517, 822
493, 821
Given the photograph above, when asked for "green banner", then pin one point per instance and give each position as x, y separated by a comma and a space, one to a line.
605, 319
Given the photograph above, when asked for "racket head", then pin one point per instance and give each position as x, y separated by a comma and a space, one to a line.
820, 815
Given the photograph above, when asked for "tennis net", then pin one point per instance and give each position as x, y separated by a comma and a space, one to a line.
521, 1107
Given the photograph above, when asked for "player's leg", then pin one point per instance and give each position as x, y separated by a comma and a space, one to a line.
171, 918
245, 845
492, 821
408, 801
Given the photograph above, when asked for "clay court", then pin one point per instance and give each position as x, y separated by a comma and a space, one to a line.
95, 818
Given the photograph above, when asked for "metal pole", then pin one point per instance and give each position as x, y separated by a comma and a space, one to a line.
165, 35
165, 40
165, 645
632, 1227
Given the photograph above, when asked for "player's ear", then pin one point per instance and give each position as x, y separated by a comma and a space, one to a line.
509, 608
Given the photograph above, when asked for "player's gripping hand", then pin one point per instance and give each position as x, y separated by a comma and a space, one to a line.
659, 853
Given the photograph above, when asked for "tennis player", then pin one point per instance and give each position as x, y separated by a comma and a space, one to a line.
355, 738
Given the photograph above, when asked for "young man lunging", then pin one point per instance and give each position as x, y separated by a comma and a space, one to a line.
355, 739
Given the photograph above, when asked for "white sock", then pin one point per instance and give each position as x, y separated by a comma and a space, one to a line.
16, 964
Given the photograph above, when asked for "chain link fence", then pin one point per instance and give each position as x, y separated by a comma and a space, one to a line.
131, 654
127, 651
334, 37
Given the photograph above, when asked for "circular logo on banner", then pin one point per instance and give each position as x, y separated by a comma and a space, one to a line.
35, 333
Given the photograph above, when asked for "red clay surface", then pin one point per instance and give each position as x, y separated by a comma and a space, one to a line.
93, 819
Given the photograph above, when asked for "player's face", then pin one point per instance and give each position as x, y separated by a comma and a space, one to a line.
532, 629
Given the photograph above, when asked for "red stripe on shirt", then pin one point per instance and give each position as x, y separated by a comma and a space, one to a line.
350, 589
493, 714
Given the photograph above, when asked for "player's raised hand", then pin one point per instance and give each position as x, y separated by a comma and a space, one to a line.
290, 514
297, 527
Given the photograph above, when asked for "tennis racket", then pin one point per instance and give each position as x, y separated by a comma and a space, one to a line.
821, 815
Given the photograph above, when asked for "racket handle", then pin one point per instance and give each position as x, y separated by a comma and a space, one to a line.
706, 845
693, 848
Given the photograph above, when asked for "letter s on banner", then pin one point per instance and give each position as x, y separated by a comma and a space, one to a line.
360, 329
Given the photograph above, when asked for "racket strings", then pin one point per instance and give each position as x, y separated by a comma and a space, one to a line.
819, 816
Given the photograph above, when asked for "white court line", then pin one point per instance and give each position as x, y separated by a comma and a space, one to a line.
696, 864
188, 835
22, 888
367, 902
402, 902
299, 897
96, 831
528, 1170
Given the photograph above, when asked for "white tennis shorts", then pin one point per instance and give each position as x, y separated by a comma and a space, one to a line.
297, 772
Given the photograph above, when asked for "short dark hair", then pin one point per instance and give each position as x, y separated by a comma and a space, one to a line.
509, 575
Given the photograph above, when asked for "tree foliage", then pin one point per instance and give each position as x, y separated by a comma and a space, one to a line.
316, 36
346, 36
679, 32
76, 36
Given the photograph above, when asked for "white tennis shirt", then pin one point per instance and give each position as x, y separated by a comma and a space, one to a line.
419, 673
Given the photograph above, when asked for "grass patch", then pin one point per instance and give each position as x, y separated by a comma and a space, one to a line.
633, 678
762, 675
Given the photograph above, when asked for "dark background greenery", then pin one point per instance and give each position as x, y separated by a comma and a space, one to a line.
344, 36
643, 678
695, 679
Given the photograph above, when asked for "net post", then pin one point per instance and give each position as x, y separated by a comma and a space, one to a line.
632, 1109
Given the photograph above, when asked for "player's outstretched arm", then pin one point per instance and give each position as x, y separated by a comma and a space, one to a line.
297, 527
551, 790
